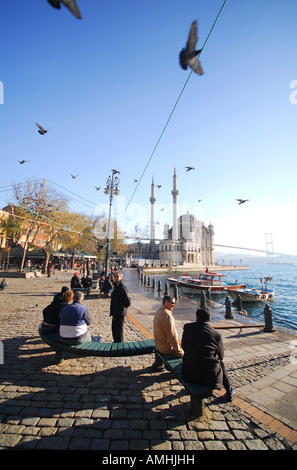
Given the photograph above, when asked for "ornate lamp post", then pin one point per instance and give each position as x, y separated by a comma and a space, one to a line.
112, 187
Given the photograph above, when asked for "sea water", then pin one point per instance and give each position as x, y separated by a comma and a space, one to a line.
284, 284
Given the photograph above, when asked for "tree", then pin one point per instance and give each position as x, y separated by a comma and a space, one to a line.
77, 232
38, 208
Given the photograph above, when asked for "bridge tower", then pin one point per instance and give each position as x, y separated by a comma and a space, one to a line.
269, 248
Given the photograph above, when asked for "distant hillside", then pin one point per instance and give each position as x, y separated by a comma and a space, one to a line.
247, 259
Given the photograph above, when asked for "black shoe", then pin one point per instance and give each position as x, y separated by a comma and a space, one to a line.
230, 395
158, 368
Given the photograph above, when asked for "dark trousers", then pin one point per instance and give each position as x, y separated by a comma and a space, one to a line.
226, 381
117, 328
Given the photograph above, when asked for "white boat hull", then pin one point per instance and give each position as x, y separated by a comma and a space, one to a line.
252, 295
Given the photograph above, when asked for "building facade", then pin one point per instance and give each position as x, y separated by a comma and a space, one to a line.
187, 242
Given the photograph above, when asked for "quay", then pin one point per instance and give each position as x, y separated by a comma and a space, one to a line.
120, 404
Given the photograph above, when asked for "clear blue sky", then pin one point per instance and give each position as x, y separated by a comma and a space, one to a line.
105, 87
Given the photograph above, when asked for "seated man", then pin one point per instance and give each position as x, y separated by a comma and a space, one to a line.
3, 284
86, 281
75, 282
165, 334
74, 321
204, 353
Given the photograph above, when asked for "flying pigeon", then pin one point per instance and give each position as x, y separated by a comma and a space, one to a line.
97, 188
158, 186
241, 201
41, 130
135, 181
74, 176
187, 56
189, 168
21, 162
70, 4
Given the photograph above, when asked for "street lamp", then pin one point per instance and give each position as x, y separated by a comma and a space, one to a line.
112, 187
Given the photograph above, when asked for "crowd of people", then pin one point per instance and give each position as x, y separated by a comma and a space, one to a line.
201, 346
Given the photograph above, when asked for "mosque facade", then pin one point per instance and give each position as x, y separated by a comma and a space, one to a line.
187, 242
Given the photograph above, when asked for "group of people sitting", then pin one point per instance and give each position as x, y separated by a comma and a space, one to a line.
85, 282
201, 347
67, 316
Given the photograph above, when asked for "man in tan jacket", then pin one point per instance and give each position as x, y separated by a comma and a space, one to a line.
165, 334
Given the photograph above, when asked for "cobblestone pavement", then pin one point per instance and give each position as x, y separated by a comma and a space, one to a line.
108, 403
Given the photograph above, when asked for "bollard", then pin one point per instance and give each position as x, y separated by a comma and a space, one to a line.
176, 292
239, 302
228, 315
153, 283
268, 319
208, 295
166, 288
202, 299
159, 285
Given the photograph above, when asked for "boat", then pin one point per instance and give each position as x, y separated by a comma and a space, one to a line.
254, 295
203, 282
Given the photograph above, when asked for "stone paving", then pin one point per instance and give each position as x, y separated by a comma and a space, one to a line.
113, 404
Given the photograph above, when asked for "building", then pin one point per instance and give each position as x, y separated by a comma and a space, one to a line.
188, 242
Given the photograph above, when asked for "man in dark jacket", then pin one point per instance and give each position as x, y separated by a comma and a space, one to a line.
204, 353
119, 303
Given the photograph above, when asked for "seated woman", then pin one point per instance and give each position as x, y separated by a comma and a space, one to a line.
51, 320
74, 321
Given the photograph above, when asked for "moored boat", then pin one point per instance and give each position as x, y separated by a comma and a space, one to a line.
254, 295
203, 282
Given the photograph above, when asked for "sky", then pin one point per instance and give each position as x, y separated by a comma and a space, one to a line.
110, 90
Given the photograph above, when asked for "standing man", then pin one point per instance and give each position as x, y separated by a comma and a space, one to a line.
120, 301
165, 334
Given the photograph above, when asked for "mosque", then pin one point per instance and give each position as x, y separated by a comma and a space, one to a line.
188, 243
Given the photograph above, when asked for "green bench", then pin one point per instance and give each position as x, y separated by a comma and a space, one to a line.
197, 392
93, 348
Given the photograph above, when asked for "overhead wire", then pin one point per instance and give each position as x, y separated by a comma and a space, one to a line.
174, 107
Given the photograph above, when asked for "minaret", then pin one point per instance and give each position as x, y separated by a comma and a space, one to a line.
174, 193
152, 201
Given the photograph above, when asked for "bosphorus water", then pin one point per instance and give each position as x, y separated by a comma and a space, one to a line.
284, 281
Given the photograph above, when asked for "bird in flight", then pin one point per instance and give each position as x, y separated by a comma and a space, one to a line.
188, 55
189, 168
41, 130
241, 201
70, 4
158, 186
73, 176
135, 181
97, 188
21, 162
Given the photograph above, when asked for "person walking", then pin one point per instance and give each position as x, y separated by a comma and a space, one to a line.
119, 303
